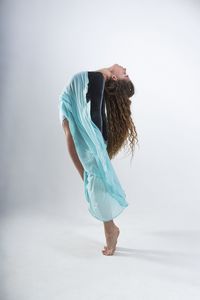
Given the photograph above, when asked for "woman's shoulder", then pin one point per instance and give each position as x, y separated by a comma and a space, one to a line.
77, 76
97, 73
79, 73
93, 76
96, 76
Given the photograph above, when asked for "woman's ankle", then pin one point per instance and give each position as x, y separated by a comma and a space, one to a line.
110, 227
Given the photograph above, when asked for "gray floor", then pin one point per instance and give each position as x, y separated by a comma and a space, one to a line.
49, 258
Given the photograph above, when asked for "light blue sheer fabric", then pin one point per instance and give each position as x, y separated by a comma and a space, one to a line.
105, 197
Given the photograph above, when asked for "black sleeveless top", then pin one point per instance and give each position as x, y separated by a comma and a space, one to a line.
95, 94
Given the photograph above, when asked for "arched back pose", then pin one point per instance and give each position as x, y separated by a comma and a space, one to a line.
95, 113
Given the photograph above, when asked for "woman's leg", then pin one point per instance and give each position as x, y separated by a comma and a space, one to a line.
71, 148
110, 229
109, 226
111, 234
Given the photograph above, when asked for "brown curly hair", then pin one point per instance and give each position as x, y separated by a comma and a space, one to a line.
119, 124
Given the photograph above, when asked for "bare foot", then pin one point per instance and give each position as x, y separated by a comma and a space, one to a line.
111, 240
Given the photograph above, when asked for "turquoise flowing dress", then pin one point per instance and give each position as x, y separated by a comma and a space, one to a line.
104, 194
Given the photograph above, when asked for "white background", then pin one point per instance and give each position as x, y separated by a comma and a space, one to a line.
51, 245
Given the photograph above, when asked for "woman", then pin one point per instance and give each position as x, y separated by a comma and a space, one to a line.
94, 110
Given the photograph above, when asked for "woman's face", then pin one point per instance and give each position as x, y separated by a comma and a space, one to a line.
119, 72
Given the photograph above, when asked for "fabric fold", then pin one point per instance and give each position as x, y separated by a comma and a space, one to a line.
104, 194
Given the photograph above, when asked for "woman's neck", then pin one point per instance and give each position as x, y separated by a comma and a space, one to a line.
106, 73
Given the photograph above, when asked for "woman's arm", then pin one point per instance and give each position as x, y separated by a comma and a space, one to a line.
95, 95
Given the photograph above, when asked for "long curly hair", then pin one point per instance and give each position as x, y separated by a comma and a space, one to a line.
121, 131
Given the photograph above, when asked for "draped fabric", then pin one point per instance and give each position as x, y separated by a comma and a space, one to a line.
104, 194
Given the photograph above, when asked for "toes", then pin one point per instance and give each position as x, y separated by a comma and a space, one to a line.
108, 251
104, 252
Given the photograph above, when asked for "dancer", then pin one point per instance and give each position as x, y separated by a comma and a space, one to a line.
95, 113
